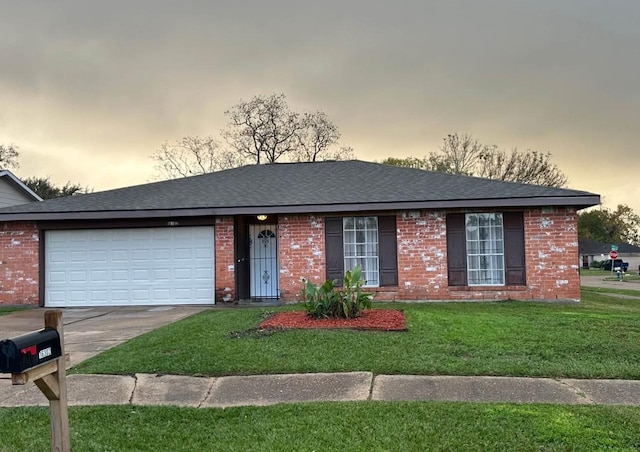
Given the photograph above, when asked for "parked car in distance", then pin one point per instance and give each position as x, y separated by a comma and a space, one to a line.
617, 263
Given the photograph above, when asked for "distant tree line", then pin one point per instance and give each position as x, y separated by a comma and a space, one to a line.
463, 154
42, 186
621, 225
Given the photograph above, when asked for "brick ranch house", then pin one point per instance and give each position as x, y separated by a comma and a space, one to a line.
254, 232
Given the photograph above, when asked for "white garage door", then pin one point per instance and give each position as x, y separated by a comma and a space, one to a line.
125, 267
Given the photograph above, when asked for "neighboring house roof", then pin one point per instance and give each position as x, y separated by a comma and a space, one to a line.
13, 191
300, 187
593, 247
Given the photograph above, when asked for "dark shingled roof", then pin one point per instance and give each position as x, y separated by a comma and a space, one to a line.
593, 247
299, 187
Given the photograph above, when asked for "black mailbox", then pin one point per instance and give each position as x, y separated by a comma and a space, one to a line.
30, 350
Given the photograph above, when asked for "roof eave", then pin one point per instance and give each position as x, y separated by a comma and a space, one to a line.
20, 186
579, 202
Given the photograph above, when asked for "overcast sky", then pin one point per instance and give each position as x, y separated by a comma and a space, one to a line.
89, 90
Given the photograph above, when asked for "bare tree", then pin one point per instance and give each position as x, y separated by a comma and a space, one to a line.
316, 138
263, 129
193, 155
9, 154
459, 154
463, 154
530, 167
342, 153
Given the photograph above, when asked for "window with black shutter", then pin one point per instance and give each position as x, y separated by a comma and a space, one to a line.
369, 242
486, 249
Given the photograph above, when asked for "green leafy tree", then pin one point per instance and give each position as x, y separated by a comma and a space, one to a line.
46, 189
621, 225
408, 162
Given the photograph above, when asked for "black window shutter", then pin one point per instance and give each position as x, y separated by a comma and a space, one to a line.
456, 249
388, 250
515, 271
334, 248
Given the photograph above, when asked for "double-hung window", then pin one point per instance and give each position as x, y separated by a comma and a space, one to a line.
361, 247
485, 249
367, 241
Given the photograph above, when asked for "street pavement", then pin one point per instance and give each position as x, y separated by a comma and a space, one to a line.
92, 330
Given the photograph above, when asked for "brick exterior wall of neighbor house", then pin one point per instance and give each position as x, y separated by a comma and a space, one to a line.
19, 261
551, 250
224, 260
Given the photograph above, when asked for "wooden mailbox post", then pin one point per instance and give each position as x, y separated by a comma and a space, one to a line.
51, 379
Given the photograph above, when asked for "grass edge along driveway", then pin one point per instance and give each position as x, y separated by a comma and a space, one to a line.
597, 338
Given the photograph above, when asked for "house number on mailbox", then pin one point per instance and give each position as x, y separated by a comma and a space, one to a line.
44, 353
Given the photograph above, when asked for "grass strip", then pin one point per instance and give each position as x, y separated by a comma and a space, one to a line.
355, 426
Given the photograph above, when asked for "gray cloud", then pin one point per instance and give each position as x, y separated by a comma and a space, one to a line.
90, 90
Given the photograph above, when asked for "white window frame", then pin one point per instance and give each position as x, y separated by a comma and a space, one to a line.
369, 262
489, 252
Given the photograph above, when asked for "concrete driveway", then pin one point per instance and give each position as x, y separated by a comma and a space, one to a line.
89, 331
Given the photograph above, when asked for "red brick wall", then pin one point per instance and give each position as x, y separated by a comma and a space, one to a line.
551, 249
301, 253
224, 260
422, 255
19, 260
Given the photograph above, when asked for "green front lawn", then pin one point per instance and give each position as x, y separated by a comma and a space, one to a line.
603, 290
594, 272
363, 426
9, 310
598, 338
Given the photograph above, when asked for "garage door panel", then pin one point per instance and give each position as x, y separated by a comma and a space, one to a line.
202, 273
129, 266
99, 296
162, 254
99, 276
162, 295
119, 275
119, 255
57, 257
118, 296
162, 274
99, 256
78, 276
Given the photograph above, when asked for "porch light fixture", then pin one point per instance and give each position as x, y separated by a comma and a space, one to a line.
261, 217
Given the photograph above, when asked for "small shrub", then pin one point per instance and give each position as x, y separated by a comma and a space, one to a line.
328, 301
319, 301
596, 264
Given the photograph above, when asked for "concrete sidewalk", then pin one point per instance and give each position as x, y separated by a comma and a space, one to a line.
260, 390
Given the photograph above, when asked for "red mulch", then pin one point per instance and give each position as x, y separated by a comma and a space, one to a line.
374, 319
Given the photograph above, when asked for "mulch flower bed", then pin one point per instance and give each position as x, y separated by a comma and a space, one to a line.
372, 319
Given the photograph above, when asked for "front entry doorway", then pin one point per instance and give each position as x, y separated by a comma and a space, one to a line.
263, 257
257, 258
